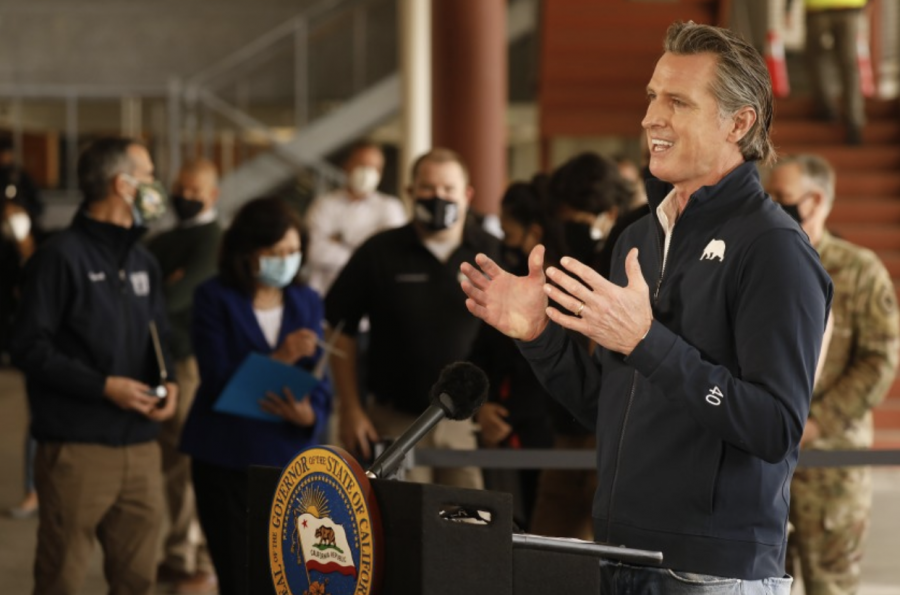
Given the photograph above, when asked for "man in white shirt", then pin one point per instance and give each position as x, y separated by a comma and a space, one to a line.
340, 221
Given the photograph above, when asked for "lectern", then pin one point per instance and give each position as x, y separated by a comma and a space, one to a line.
441, 541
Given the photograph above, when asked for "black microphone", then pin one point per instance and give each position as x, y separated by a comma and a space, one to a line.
459, 392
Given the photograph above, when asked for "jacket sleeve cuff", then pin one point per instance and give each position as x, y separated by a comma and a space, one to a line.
88, 384
550, 341
650, 353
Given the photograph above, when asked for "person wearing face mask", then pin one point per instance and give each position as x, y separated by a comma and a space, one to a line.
588, 194
253, 305
516, 413
405, 281
17, 244
187, 256
82, 336
340, 221
17, 186
830, 508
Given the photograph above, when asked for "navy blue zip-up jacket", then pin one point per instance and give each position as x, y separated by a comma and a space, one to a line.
88, 298
698, 429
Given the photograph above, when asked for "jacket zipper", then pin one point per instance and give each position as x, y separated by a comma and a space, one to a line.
612, 491
664, 257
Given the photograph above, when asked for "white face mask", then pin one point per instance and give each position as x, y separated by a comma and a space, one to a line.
17, 226
363, 179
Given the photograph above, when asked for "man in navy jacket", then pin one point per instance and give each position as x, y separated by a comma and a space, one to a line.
708, 329
83, 339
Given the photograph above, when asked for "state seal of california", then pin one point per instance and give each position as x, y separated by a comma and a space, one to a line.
324, 527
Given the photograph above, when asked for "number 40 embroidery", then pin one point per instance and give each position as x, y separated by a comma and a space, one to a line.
715, 396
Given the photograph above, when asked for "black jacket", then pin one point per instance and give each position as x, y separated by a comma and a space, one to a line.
698, 429
88, 298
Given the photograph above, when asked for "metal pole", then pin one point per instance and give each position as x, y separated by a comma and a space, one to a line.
72, 142
17, 126
190, 121
209, 134
359, 49
174, 122
415, 70
301, 73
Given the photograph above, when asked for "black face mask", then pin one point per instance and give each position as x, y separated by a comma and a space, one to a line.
794, 212
515, 259
436, 213
186, 208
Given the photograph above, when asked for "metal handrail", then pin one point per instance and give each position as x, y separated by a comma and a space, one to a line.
332, 174
262, 43
200, 88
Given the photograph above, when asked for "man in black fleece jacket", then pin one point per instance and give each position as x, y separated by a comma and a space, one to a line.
83, 339
708, 333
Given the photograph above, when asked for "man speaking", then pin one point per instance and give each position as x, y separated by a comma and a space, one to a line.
708, 330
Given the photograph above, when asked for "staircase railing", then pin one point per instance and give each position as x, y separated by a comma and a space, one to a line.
203, 94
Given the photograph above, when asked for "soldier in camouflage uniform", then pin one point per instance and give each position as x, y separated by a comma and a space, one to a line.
830, 506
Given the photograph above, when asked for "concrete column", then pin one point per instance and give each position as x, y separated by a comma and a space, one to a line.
470, 91
415, 65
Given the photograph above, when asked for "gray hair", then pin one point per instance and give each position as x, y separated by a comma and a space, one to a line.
742, 80
817, 170
102, 161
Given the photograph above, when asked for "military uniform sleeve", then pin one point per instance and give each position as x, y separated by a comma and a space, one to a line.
874, 331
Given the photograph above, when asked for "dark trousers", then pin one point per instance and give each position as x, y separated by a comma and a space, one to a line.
222, 508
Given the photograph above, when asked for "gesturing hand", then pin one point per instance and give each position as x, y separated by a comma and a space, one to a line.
515, 306
617, 318
287, 407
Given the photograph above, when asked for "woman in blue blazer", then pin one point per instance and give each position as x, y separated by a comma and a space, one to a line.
253, 306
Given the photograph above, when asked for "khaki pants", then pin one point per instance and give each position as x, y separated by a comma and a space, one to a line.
185, 548
88, 490
457, 435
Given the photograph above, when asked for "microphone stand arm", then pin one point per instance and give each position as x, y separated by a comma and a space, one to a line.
386, 465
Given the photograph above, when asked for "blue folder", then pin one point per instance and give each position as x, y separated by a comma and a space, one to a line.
257, 375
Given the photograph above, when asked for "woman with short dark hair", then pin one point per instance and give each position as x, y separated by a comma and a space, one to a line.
254, 305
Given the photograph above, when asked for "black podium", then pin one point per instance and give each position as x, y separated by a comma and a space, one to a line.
439, 541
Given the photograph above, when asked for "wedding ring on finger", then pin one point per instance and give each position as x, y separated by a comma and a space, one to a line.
580, 309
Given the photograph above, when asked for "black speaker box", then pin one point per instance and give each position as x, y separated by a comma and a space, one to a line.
427, 552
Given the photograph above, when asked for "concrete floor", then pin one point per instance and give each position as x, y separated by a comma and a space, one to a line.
17, 538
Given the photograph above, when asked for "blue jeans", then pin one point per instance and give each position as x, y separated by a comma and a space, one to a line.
617, 578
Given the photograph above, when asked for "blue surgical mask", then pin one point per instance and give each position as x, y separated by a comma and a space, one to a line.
278, 271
